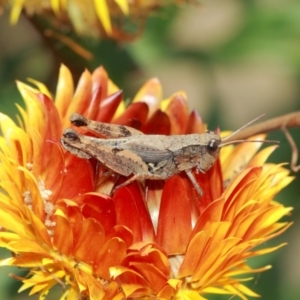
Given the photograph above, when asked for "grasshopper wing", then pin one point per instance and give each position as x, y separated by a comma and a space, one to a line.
148, 150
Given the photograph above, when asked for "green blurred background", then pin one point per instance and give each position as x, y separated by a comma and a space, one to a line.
235, 60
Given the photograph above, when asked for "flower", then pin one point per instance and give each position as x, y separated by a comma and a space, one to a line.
154, 239
94, 18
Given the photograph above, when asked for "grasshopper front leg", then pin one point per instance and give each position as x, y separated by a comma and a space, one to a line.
109, 131
194, 182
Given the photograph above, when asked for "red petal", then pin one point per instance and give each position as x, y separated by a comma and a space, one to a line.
79, 177
52, 167
90, 239
134, 116
108, 107
178, 112
174, 223
101, 208
211, 183
82, 96
100, 81
159, 123
133, 213
92, 109
155, 189
195, 124
52, 120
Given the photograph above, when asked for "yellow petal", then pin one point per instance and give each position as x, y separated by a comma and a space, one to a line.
42, 88
123, 4
16, 11
64, 91
150, 93
103, 14
57, 5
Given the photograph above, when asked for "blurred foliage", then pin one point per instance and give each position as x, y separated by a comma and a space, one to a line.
267, 30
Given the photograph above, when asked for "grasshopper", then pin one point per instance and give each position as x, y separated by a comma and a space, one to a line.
127, 151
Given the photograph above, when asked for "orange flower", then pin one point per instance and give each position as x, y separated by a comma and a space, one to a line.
152, 239
96, 18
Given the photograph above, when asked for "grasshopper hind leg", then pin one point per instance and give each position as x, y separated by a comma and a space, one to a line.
161, 171
139, 177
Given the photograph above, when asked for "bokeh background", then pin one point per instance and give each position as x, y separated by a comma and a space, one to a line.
234, 59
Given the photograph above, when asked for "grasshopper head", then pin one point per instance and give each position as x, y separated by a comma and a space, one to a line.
78, 120
71, 142
70, 136
209, 151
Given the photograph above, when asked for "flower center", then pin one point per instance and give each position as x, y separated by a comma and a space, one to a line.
48, 206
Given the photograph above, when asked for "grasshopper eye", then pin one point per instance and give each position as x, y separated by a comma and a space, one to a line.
212, 145
71, 135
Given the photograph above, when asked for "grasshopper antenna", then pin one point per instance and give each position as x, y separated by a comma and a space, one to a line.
241, 141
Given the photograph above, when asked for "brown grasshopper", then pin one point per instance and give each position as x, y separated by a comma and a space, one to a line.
127, 151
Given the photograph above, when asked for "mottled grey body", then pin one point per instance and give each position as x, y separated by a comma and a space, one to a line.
127, 151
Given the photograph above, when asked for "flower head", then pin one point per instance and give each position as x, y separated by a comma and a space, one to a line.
148, 239
96, 18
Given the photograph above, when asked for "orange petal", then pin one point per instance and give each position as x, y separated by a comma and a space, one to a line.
121, 232
73, 214
148, 253
101, 208
82, 96
212, 213
51, 119
235, 158
174, 223
94, 286
155, 278
260, 158
150, 93
64, 91
63, 235
110, 254
166, 292
85, 248
178, 112
237, 186
195, 124
133, 284
100, 82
